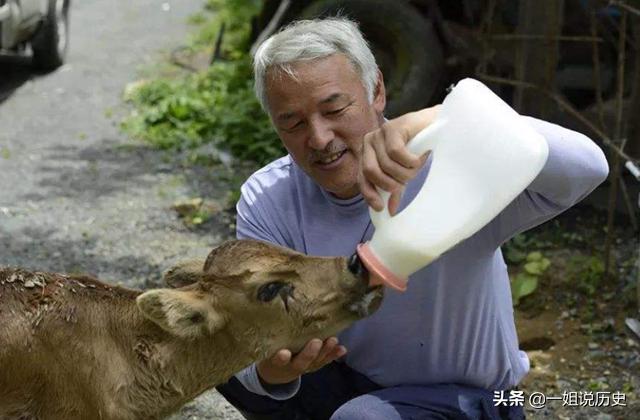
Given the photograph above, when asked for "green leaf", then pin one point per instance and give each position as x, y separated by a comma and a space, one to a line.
523, 285
545, 263
534, 256
528, 284
537, 267
514, 255
534, 268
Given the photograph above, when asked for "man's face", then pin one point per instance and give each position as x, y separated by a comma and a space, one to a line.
321, 116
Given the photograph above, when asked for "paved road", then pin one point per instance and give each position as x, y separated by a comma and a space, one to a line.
75, 194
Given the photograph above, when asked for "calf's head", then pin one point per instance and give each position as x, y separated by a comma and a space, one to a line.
262, 297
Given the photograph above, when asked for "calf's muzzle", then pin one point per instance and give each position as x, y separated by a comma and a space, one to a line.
358, 269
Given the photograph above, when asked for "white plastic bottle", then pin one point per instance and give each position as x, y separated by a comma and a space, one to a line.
484, 155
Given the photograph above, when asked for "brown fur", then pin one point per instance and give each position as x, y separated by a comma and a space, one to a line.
72, 347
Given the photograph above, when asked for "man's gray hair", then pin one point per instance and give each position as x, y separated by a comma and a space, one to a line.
311, 39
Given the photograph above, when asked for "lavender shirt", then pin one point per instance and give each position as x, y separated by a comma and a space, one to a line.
455, 322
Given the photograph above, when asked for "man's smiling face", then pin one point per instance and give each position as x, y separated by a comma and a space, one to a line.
321, 116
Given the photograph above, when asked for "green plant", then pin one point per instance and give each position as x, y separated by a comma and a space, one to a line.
526, 282
515, 250
197, 19
595, 385
195, 211
216, 106
236, 15
530, 265
233, 196
586, 273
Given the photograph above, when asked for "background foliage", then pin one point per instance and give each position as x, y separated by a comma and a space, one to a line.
216, 106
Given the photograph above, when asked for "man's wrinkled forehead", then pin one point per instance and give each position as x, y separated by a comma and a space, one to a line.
296, 77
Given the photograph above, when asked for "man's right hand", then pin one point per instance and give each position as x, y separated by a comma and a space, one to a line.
386, 162
283, 367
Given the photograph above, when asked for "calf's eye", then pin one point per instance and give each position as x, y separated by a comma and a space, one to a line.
267, 292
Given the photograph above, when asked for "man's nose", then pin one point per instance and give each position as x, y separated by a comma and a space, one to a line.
320, 135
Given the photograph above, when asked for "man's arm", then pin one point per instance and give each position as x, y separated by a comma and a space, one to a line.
574, 168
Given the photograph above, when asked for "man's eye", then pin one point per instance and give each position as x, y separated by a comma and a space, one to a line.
336, 111
295, 126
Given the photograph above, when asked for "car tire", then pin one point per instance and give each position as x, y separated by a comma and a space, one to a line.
405, 44
52, 39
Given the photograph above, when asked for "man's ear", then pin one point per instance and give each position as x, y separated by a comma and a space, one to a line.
379, 94
181, 313
184, 273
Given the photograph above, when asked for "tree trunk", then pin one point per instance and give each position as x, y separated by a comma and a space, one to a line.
536, 60
633, 127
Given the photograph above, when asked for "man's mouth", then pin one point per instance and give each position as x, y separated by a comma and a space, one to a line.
329, 159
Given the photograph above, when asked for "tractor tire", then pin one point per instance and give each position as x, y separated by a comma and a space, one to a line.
51, 42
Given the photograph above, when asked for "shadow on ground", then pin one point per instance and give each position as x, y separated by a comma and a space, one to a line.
87, 174
94, 171
14, 72
109, 167
39, 250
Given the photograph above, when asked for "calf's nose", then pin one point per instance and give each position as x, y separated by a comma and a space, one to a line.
358, 269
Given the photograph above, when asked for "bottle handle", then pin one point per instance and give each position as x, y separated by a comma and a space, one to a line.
424, 141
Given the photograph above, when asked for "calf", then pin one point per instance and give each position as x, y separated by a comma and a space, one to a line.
74, 347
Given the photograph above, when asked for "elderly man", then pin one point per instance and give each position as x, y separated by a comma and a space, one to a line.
444, 346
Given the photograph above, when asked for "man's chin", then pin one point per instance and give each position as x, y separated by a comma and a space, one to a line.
342, 192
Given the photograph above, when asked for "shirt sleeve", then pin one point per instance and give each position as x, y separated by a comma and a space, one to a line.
253, 222
574, 168
256, 218
248, 377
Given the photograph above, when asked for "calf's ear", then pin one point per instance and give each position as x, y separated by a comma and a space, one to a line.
182, 313
184, 273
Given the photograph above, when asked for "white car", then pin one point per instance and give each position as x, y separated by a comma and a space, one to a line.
42, 25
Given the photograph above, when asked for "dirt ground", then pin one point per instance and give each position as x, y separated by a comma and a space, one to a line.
572, 326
